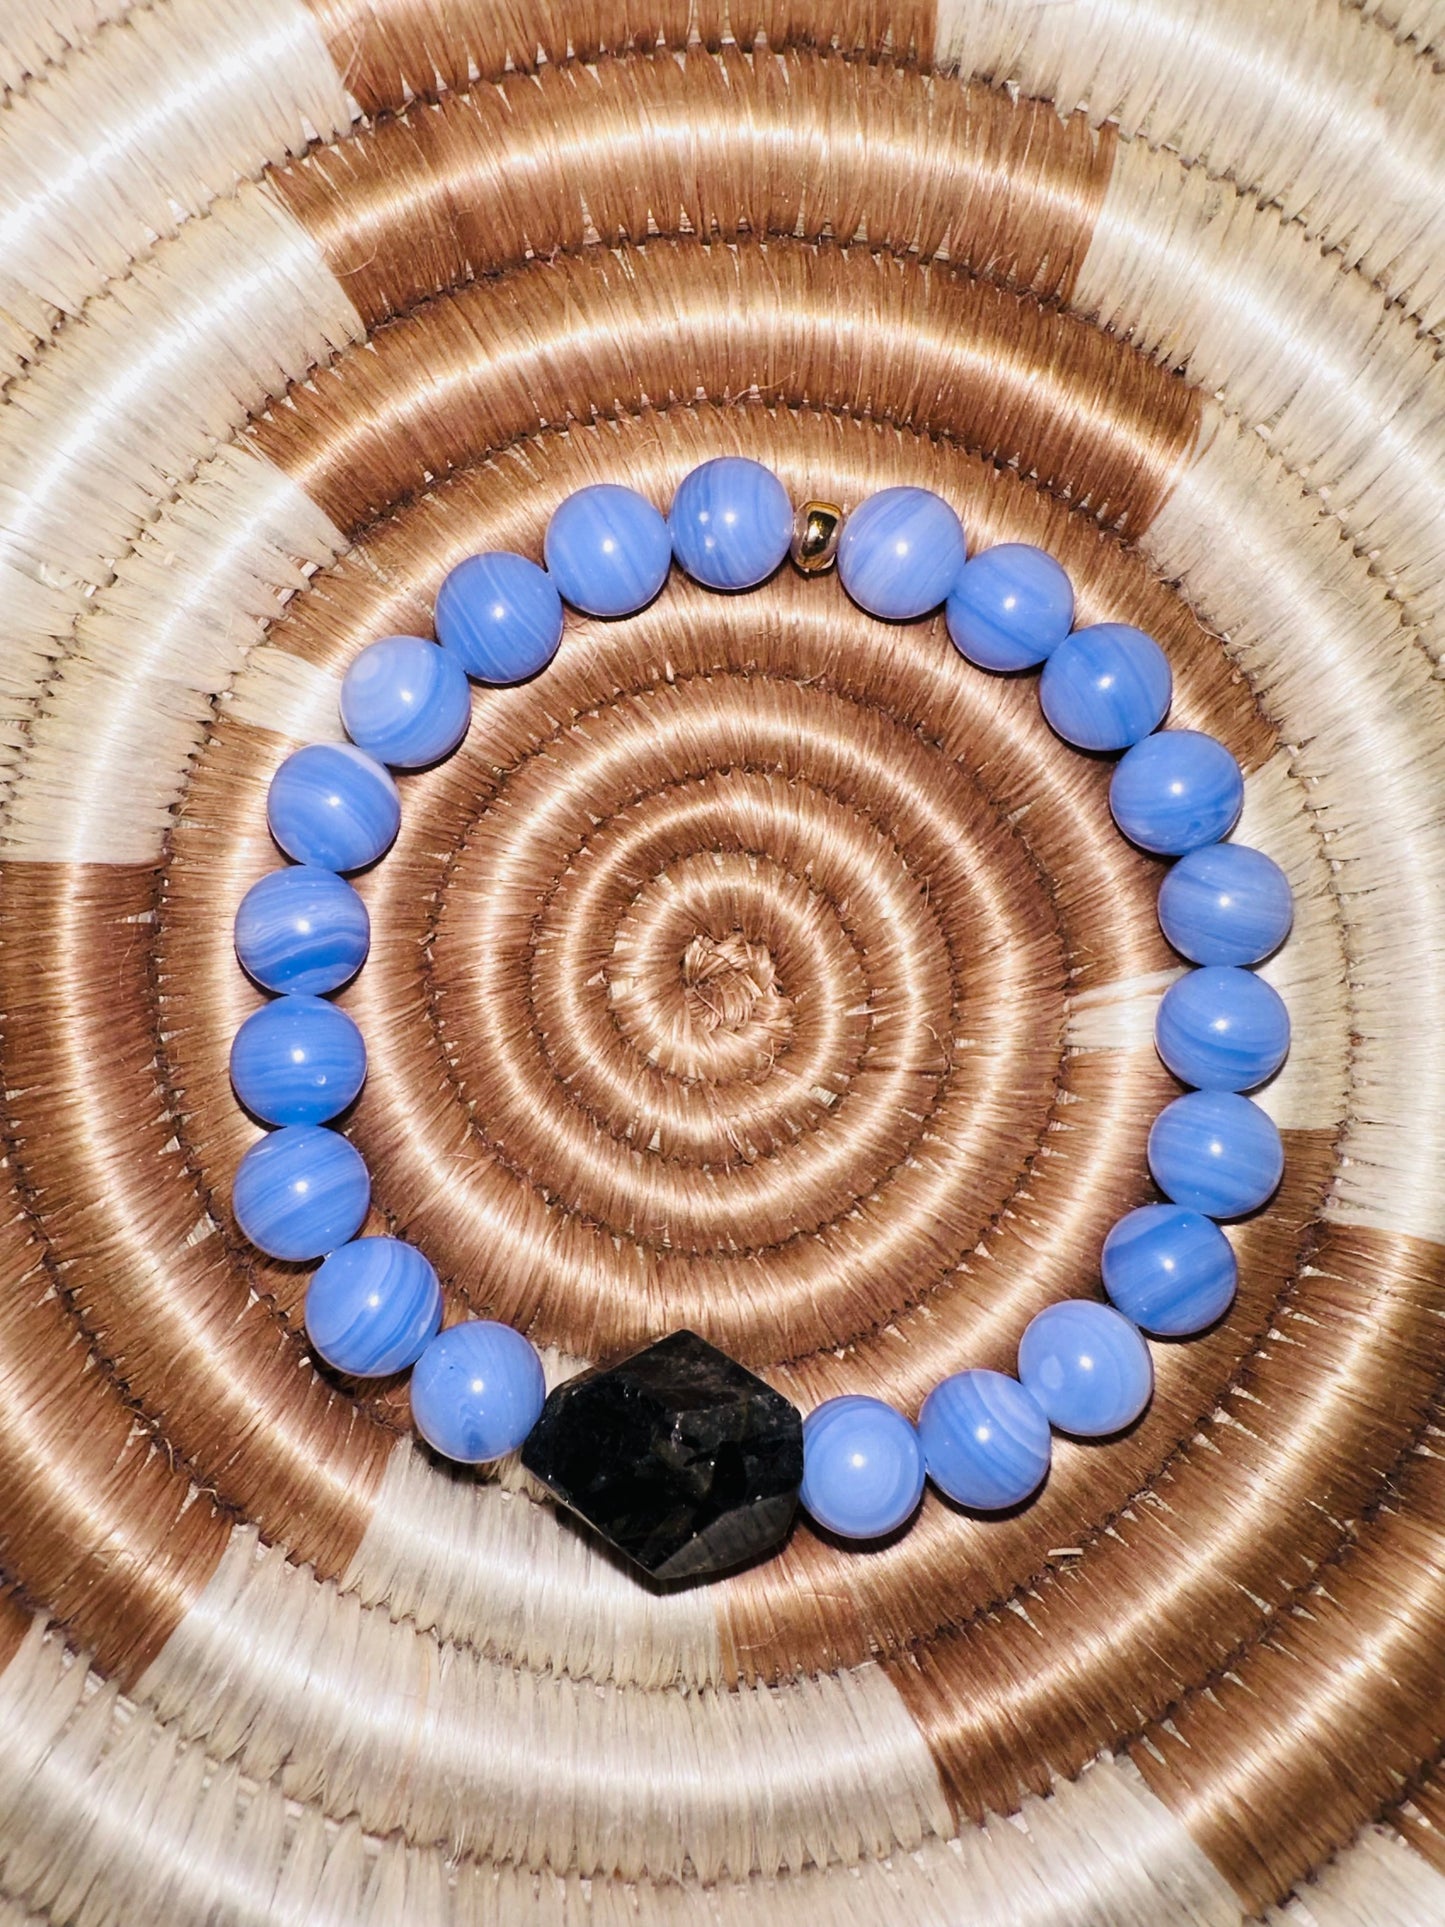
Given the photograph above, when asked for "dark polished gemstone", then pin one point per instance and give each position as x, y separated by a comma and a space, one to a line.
682, 1459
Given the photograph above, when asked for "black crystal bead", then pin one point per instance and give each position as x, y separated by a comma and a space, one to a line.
681, 1458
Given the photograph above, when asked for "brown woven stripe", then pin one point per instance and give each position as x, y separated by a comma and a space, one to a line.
389, 51
94, 1139
801, 325
1306, 1738
102, 1530
1322, 1419
811, 146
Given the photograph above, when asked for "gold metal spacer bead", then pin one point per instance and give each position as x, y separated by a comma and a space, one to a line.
816, 528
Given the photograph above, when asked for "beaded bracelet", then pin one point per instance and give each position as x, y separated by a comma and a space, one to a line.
681, 1458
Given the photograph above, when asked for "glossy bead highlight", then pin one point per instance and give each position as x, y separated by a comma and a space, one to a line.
373, 1307
302, 929
985, 1439
901, 552
608, 550
1176, 790
1087, 1366
1010, 608
333, 805
406, 702
298, 1060
862, 1467
500, 616
1106, 687
477, 1391
1222, 1029
1226, 904
731, 523
300, 1192
1169, 1270
1217, 1153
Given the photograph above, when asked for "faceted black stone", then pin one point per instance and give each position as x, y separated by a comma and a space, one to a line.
679, 1457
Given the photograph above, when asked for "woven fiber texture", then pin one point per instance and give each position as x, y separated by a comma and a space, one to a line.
760, 968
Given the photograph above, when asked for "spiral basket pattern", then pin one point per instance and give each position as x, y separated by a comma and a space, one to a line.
760, 968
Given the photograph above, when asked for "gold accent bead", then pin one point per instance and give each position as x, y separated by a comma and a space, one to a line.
816, 528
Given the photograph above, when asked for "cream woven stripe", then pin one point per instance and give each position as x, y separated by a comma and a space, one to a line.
98, 1798
474, 1560
1377, 1882
1367, 715
1419, 22
145, 125
292, 1677
35, 33
1339, 385
1308, 105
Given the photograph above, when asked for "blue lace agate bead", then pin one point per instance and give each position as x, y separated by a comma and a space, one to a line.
607, 549
477, 1391
1106, 687
1176, 790
500, 616
300, 1192
1087, 1367
297, 1061
373, 1307
1222, 1029
862, 1467
406, 702
302, 929
731, 523
333, 805
1170, 1270
986, 1440
900, 553
1010, 608
1216, 1152
1226, 904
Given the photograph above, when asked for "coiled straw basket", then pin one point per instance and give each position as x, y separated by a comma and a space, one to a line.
298, 305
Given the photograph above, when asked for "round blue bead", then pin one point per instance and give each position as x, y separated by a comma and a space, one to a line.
862, 1467
1176, 790
985, 1440
373, 1307
731, 523
607, 550
500, 616
1169, 1270
297, 1061
300, 1192
1087, 1366
477, 1391
302, 929
1226, 904
1216, 1152
406, 702
333, 805
1010, 607
1222, 1029
1106, 687
901, 552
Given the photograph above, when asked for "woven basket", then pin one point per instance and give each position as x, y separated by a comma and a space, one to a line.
298, 306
